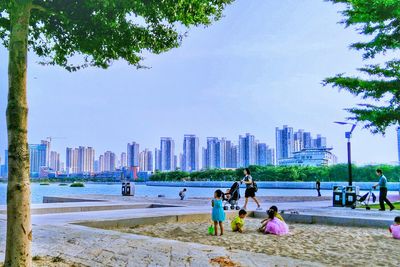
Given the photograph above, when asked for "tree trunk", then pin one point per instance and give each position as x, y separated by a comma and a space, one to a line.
19, 229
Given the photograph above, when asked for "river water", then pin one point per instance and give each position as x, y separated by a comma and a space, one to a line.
38, 191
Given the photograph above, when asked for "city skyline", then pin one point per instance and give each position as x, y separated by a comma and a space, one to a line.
218, 152
238, 78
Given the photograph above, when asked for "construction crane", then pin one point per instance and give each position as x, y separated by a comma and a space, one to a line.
49, 138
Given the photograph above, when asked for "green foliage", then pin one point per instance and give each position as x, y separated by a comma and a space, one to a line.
379, 20
100, 31
333, 173
170, 176
77, 184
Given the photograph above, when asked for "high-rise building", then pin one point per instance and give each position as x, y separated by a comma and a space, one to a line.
320, 142
96, 166
204, 158
71, 162
180, 161
85, 160
307, 140
123, 160
271, 156
55, 161
190, 158
262, 154
291, 146
109, 161
133, 155
398, 143
68, 160
228, 154
247, 150
101, 163
146, 161
284, 142
211, 153
157, 159
75, 160
176, 162
234, 156
217, 154
298, 140
62, 166
221, 153
37, 154
167, 156
47, 143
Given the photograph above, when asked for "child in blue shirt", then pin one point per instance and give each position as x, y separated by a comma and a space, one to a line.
218, 214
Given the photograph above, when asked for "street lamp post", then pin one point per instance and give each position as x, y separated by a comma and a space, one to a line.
348, 136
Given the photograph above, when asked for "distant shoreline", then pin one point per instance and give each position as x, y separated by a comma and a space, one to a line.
392, 186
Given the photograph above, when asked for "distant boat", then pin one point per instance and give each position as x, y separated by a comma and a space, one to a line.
44, 183
62, 184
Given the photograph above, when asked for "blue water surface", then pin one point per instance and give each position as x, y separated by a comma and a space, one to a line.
38, 191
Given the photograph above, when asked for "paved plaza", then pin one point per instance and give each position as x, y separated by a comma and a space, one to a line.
61, 229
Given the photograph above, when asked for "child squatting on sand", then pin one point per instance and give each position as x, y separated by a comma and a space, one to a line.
395, 228
237, 224
218, 214
265, 221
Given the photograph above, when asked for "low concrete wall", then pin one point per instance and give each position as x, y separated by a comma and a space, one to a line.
205, 218
135, 222
271, 185
68, 199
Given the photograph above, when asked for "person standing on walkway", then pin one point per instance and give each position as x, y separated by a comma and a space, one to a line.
250, 190
383, 191
318, 186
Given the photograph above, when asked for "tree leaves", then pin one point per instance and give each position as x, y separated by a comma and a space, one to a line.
97, 32
379, 19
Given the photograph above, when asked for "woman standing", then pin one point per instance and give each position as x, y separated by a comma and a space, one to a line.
250, 190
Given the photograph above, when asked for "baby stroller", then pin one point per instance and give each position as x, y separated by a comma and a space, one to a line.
364, 199
232, 198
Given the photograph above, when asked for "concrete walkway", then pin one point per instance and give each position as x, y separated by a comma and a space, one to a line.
58, 230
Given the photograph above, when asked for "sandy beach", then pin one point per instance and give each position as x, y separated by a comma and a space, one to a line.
329, 245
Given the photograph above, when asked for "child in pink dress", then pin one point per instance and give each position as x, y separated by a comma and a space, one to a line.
275, 226
395, 228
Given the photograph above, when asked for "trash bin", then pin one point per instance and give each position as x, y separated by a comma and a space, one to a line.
130, 189
123, 189
350, 197
338, 192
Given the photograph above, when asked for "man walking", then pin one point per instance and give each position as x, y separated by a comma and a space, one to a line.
383, 191
318, 186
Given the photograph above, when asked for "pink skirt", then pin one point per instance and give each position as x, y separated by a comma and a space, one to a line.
276, 227
395, 229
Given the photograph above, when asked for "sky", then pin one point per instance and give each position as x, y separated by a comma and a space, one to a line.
258, 68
